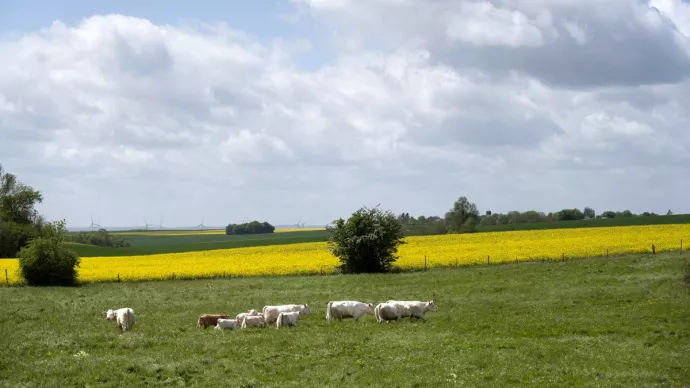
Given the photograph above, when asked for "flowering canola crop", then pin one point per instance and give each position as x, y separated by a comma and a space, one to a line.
442, 250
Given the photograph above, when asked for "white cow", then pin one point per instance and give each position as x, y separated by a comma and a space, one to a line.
125, 317
226, 324
250, 313
271, 312
386, 312
347, 308
287, 319
253, 321
414, 308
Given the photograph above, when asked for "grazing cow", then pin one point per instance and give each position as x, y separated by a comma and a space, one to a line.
226, 324
287, 319
250, 313
207, 320
253, 321
271, 312
125, 317
347, 308
387, 312
414, 308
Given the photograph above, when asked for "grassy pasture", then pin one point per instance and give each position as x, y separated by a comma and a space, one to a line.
592, 223
154, 243
621, 321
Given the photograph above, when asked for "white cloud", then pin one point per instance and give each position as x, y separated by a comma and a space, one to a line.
515, 104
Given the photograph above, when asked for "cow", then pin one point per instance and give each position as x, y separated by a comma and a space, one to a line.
207, 320
287, 319
250, 313
414, 308
386, 312
253, 321
226, 324
271, 312
347, 308
125, 317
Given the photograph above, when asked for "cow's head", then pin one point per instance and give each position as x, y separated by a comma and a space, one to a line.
110, 315
431, 306
253, 312
305, 309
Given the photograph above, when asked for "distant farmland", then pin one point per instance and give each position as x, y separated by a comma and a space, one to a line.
155, 242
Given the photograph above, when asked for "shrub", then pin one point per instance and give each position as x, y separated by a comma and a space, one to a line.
367, 242
46, 261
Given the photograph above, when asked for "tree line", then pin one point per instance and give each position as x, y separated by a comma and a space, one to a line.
464, 217
100, 238
253, 227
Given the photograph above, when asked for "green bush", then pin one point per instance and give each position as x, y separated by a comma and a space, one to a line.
45, 260
367, 242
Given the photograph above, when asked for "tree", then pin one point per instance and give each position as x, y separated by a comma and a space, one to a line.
46, 261
19, 221
669, 212
609, 214
367, 242
627, 213
589, 212
569, 215
457, 218
254, 227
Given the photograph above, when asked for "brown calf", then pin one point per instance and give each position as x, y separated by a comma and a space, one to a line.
207, 320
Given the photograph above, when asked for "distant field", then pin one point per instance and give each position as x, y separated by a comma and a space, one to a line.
439, 251
617, 322
181, 232
149, 244
592, 223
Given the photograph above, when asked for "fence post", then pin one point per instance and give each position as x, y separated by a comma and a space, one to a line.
488, 259
456, 262
173, 278
118, 277
681, 246
425, 262
321, 270
653, 250
7, 280
563, 256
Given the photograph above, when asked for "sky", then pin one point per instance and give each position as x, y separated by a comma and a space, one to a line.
306, 110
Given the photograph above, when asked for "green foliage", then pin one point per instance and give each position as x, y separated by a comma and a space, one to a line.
589, 212
462, 217
99, 238
46, 261
590, 223
422, 225
254, 227
367, 242
19, 221
569, 215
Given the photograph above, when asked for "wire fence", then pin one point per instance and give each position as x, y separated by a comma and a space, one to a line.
424, 264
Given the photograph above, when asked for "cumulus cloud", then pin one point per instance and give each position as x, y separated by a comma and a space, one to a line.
515, 104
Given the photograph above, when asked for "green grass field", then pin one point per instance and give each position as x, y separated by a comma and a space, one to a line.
149, 244
592, 223
621, 321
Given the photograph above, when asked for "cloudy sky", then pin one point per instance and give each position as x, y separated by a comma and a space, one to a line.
281, 110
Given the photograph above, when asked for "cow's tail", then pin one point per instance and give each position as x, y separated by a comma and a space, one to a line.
377, 312
279, 320
329, 316
127, 325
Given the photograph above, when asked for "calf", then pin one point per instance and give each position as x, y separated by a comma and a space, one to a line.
250, 313
287, 319
207, 320
271, 312
347, 308
253, 321
125, 317
226, 324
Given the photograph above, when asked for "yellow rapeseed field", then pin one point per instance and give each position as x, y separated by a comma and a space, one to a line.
443, 250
